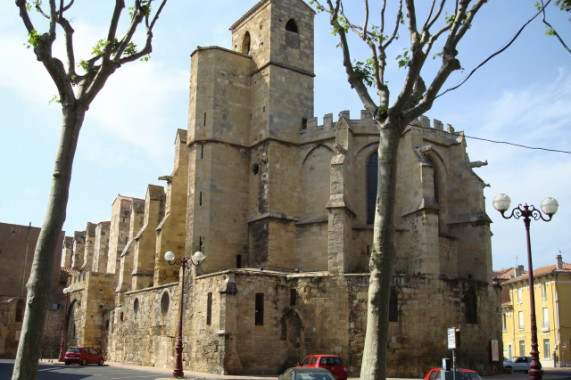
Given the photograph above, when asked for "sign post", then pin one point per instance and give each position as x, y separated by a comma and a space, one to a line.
452, 346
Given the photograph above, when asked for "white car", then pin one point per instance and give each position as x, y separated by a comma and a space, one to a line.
518, 363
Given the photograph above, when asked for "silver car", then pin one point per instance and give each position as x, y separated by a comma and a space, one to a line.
306, 373
518, 363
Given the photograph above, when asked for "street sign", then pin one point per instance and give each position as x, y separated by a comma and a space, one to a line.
452, 338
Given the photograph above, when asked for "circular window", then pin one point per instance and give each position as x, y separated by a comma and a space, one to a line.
165, 300
136, 305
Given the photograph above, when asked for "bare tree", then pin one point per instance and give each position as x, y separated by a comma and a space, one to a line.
78, 83
434, 29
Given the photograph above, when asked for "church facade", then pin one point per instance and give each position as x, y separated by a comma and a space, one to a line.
281, 205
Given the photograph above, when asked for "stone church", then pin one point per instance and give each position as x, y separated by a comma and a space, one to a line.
281, 205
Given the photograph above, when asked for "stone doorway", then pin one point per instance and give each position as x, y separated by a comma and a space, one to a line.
292, 333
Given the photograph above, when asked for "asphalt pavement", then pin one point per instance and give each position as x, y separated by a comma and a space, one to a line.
155, 373
548, 374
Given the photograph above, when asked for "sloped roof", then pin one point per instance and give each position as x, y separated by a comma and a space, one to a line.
544, 271
508, 273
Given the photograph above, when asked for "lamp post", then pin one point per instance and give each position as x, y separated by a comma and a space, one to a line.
66, 292
196, 259
549, 207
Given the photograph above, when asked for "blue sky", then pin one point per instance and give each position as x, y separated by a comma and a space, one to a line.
522, 96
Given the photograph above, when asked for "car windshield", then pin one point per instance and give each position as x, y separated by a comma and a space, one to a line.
74, 350
331, 361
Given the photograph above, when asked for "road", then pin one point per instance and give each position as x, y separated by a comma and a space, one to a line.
113, 371
59, 371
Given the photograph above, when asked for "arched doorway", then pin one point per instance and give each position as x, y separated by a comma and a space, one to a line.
292, 333
71, 333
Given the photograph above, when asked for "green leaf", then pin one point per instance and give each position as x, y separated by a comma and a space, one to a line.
83, 65
54, 99
382, 113
403, 59
131, 49
33, 38
365, 70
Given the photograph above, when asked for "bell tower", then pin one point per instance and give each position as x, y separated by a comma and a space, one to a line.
247, 107
278, 36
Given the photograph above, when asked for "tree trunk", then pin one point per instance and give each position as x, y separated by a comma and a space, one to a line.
373, 364
40, 280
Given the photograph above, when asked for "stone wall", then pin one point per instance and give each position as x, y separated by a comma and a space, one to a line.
280, 205
319, 313
17, 246
118, 231
143, 328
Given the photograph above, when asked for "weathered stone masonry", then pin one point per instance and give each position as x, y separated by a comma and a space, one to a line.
280, 206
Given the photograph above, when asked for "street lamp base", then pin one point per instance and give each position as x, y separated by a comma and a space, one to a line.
535, 374
178, 374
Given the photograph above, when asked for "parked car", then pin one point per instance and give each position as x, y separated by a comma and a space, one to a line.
83, 356
518, 363
306, 373
332, 363
442, 374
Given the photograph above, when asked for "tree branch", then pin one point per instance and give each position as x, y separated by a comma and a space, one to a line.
68, 33
394, 34
551, 29
157, 14
356, 80
510, 42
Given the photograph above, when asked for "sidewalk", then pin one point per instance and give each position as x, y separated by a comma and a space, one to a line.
548, 374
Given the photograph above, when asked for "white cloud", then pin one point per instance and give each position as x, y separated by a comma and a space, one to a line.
533, 114
136, 105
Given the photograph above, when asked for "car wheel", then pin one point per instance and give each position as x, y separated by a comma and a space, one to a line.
100, 362
66, 363
84, 362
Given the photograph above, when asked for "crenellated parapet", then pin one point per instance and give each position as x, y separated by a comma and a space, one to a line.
312, 130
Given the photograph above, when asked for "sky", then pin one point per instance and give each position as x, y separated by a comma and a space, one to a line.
522, 97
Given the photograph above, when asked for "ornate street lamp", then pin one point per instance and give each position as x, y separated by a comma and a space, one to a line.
66, 291
549, 207
196, 259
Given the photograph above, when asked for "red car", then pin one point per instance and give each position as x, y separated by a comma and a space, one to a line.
332, 363
442, 374
83, 356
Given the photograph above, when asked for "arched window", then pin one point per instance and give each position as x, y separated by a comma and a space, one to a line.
393, 306
246, 44
371, 186
292, 34
165, 300
291, 25
434, 179
471, 306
